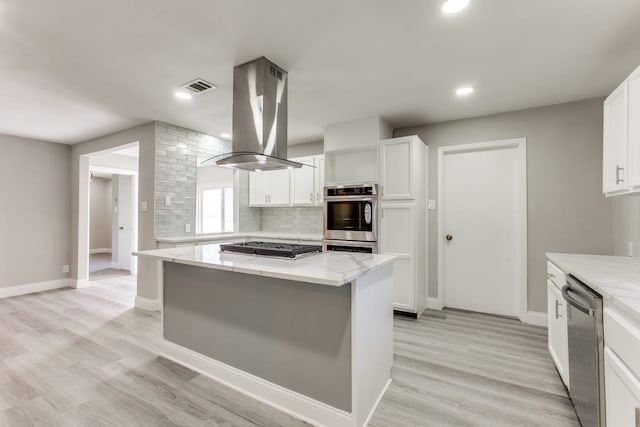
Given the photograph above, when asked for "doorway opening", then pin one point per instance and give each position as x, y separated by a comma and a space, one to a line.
108, 197
482, 227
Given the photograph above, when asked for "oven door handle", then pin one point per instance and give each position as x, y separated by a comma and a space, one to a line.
349, 199
575, 303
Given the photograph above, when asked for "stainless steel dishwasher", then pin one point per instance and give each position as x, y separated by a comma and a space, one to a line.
586, 352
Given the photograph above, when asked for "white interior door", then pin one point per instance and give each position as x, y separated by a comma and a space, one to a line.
481, 216
125, 221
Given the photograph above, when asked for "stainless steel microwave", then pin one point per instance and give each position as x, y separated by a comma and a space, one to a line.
351, 213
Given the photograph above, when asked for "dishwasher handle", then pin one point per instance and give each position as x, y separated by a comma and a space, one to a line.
575, 303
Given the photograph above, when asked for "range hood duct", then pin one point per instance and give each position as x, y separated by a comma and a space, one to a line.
259, 119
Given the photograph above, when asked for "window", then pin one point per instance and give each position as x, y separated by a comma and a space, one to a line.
216, 209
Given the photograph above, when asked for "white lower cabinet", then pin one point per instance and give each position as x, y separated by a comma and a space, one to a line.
397, 237
622, 392
558, 338
621, 368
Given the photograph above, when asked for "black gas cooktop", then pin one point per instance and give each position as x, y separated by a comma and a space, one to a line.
284, 250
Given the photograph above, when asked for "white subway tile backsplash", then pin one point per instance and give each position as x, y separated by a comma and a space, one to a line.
292, 220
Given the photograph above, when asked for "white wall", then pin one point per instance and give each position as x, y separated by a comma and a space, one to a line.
35, 195
100, 209
306, 149
626, 224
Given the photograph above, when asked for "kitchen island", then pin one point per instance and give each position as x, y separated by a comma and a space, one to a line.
312, 336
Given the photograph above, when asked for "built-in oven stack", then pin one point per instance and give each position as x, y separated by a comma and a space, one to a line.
350, 218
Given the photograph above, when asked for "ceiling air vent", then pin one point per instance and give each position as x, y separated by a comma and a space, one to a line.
198, 86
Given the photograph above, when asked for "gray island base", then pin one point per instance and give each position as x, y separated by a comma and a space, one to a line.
321, 352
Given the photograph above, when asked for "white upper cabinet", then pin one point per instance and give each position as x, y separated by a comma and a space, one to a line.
633, 88
614, 152
280, 187
258, 188
396, 169
297, 187
269, 188
303, 188
307, 183
621, 138
319, 179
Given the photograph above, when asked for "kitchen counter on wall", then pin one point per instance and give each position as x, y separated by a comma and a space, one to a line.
616, 278
254, 235
329, 268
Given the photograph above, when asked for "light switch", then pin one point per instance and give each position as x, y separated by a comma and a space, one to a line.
167, 200
143, 206
187, 228
432, 204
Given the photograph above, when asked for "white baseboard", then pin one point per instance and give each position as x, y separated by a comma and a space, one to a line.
30, 288
148, 304
83, 283
434, 303
295, 404
100, 251
375, 405
535, 318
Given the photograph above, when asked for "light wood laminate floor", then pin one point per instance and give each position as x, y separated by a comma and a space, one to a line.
85, 357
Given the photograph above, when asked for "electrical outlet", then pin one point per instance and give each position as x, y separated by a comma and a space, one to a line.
65, 268
629, 248
432, 204
167, 200
187, 228
143, 206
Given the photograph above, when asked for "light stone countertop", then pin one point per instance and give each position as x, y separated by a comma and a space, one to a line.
249, 234
616, 278
329, 268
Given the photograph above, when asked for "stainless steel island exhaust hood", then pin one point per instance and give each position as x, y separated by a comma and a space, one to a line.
259, 119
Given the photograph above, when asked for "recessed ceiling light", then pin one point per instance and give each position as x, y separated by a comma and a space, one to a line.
225, 135
258, 170
454, 6
463, 91
183, 95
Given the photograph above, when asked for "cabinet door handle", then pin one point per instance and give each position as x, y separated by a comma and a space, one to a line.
311, 197
558, 315
269, 198
618, 170
265, 198
318, 196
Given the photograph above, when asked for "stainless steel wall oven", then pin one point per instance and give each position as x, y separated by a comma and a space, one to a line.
351, 213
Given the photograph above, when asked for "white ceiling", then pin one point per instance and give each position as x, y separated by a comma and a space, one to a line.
71, 70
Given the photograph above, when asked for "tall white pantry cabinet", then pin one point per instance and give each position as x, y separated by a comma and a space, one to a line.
403, 218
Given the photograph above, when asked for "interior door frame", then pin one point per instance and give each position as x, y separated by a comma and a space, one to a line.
520, 144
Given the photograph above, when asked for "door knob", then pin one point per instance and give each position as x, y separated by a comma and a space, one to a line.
449, 237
